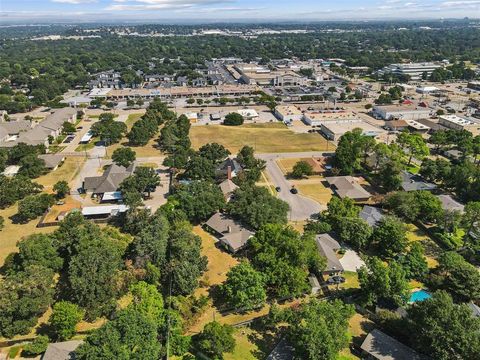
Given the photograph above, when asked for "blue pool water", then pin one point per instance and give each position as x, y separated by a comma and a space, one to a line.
420, 295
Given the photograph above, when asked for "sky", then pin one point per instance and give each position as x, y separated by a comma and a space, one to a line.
240, 10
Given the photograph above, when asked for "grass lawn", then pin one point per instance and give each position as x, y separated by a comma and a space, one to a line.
12, 233
314, 190
351, 280
286, 165
89, 146
265, 181
149, 150
67, 171
264, 138
432, 250
132, 119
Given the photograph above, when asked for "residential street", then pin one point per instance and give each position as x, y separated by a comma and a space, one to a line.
301, 208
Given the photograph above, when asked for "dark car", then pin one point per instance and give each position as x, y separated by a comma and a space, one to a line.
278, 188
336, 280
294, 190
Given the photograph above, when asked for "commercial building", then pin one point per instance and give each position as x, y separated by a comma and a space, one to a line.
333, 130
248, 114
400, 112
414, 70
252, 74
288, 113
458, 123
319, 118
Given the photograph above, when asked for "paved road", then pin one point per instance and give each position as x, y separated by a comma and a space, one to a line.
301, 208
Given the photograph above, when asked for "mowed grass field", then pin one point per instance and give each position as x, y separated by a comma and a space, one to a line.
264, 138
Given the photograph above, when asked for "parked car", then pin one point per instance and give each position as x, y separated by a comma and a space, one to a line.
278, 188
334, 280
294, 190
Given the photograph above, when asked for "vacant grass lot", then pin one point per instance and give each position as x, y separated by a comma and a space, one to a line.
314, 190
67, 171
265, 138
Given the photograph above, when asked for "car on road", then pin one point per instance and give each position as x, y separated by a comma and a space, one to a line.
278, 188
294, 190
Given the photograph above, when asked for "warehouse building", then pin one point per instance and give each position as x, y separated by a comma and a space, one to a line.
288, 113
458, 123
400, 112
333, 130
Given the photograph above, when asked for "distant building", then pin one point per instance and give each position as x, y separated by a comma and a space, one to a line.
414, 70
248, 114
400, 112
325, 117
106, 79
458, 123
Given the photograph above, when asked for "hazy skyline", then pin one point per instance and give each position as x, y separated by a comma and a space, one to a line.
240, 10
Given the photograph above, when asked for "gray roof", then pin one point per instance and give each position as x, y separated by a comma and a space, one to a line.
448, 203
233, 163
52, 160
327, 247
383, 347
347, 186
411, 182
228, 187
283, 351
475, 309
56, 119
371, 215
62, 350
15, 127
231, 232
110, 180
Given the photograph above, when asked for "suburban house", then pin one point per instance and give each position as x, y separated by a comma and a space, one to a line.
231, 233
371, 215
378, 345
228, 169
62, 350
13, 128
347, 186
109, 182
51, 126
52, 161
282, 351
228, 187
411, 182
328, 247
449, 204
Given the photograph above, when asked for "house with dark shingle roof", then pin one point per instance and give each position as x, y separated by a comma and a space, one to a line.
348, 186
378, 345
371, 215
327, 247
450, 204
230, 232
411, 182
110, 180
228, 187
62, 350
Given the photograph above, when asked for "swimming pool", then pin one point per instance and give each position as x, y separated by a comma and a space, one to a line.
419, 295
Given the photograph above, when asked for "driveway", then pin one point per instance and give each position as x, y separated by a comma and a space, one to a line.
351, 261
301, 208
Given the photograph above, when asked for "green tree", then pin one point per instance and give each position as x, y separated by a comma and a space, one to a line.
199, 168
108, 130
130, 335
349, 151
61, 189
31, 166
390, 236
443, 329
233, 119
354, 231
285, 258
244, 288
38, 249
37, 347
33, 206
414, 262
216, 339
257, 207
24, 297
389, 176
68, 128
458, 277
124, 156
214, 152
414, 144
199, 200
301, 169
64, 319
338, 209
319, 330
